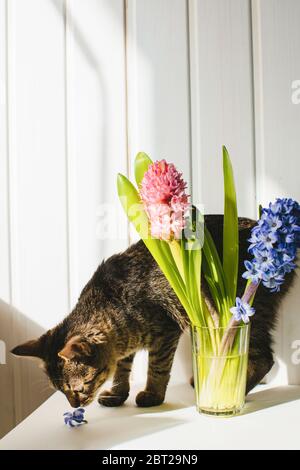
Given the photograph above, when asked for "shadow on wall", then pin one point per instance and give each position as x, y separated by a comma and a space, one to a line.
93, 60
21, 380
287, 339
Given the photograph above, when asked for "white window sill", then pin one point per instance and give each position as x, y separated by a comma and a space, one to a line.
270, 421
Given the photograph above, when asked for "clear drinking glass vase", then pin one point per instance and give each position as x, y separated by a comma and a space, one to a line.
220, 361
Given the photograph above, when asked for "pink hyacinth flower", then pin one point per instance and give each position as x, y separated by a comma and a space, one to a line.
165, 200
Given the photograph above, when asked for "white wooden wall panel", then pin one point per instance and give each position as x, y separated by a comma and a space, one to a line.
37, 179
159, 103
221, 101
158, 81
37, 156
96, 104
276, 39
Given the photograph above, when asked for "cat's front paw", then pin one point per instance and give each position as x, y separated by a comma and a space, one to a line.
146, 399
112, 398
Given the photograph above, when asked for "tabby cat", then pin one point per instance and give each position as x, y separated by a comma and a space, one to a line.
127, 306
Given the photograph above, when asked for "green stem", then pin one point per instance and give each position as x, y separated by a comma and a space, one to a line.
175, 247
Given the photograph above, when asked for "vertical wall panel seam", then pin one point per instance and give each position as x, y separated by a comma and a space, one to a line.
131, 71
12, 173
257, 96
8, 153
125, 37
131, 88
12, 212
72, 247
194, 100
189, 94
7, 112
255, 156
67, 163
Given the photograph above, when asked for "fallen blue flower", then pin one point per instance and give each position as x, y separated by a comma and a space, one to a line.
75, 418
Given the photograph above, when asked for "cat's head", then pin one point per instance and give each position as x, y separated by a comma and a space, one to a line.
77, 368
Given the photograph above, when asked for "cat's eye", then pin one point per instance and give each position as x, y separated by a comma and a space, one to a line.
87, 382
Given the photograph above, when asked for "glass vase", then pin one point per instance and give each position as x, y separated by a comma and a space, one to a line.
220, 361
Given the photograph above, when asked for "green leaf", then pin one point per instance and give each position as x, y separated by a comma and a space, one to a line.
132, 205
213, 267
195, 258
178, 286
141, 165
213, 270
214, 292
230, 229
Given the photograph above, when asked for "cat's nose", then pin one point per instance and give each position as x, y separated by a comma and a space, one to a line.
78, 388
75, 402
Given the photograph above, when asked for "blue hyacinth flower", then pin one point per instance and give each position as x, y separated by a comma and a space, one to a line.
274, 242
252, 273
242, 311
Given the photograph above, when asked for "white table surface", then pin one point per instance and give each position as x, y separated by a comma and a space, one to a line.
270, 421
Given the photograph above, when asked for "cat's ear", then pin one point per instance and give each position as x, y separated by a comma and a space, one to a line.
77, 348
33, 348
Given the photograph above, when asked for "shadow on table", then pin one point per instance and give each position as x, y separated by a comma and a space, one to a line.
116, 426
271, 397
108, 428
178, 396
118, 430
133, 423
